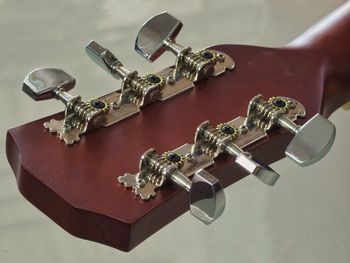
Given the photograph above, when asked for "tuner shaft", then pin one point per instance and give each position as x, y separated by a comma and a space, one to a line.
174, 47
181, 180
288, 124
63, 96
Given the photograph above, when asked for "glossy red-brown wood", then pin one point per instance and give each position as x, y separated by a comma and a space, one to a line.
77, 186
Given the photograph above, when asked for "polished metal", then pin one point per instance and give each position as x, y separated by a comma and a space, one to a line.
158, 34
213, 205
137, 91
311, 141
206, 195
80, 117
40, 84
214, 141
134, 89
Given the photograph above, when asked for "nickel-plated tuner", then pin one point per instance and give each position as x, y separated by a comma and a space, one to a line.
158, 34
311, 141
135, 92
214, 141
80, 117
206, 195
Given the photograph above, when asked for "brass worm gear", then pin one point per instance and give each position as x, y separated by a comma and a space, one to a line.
173, 158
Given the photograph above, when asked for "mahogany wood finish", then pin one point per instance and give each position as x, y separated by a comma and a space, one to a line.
77, 186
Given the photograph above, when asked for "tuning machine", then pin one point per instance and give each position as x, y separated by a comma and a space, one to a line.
222, 139
158, 35
135, 92
206, 195
80, 117
311, 141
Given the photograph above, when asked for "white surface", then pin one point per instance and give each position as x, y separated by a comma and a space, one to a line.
304, 218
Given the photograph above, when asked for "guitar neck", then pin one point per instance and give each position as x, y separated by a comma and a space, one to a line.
330, 37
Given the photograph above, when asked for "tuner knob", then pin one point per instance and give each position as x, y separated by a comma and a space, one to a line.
48, 83
311, 142
108, 61
158, 35
80, 117
206, 194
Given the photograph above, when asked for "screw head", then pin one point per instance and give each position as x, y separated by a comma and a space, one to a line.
152, 78
98, 104
227, 129
207, 54
279, 103
173, 157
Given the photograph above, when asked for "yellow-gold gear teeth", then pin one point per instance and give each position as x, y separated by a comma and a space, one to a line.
227, 129
212, 60
104, 106
284, 106
173, 158
154, 77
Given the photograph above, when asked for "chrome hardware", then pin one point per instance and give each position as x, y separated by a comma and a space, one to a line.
80, 117
214, 141
311, 141
158, 35
206, 195
135, 92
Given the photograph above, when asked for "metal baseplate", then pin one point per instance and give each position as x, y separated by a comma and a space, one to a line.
209, 144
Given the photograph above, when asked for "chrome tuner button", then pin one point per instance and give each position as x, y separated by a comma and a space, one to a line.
157, 35
207, 197
80, 117
41, 84
107, 60
312, 141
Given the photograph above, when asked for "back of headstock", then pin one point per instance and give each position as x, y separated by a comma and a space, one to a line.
82, 193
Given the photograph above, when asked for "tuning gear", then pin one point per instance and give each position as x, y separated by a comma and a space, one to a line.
214, 141
206, 195
158, 35
311, 141
80, 117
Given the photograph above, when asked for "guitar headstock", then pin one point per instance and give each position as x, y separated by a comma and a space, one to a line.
167, 111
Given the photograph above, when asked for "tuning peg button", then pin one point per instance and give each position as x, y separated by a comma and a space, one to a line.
80, 117
312, 141
108, 61
43, 84
206, 195
158, 34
